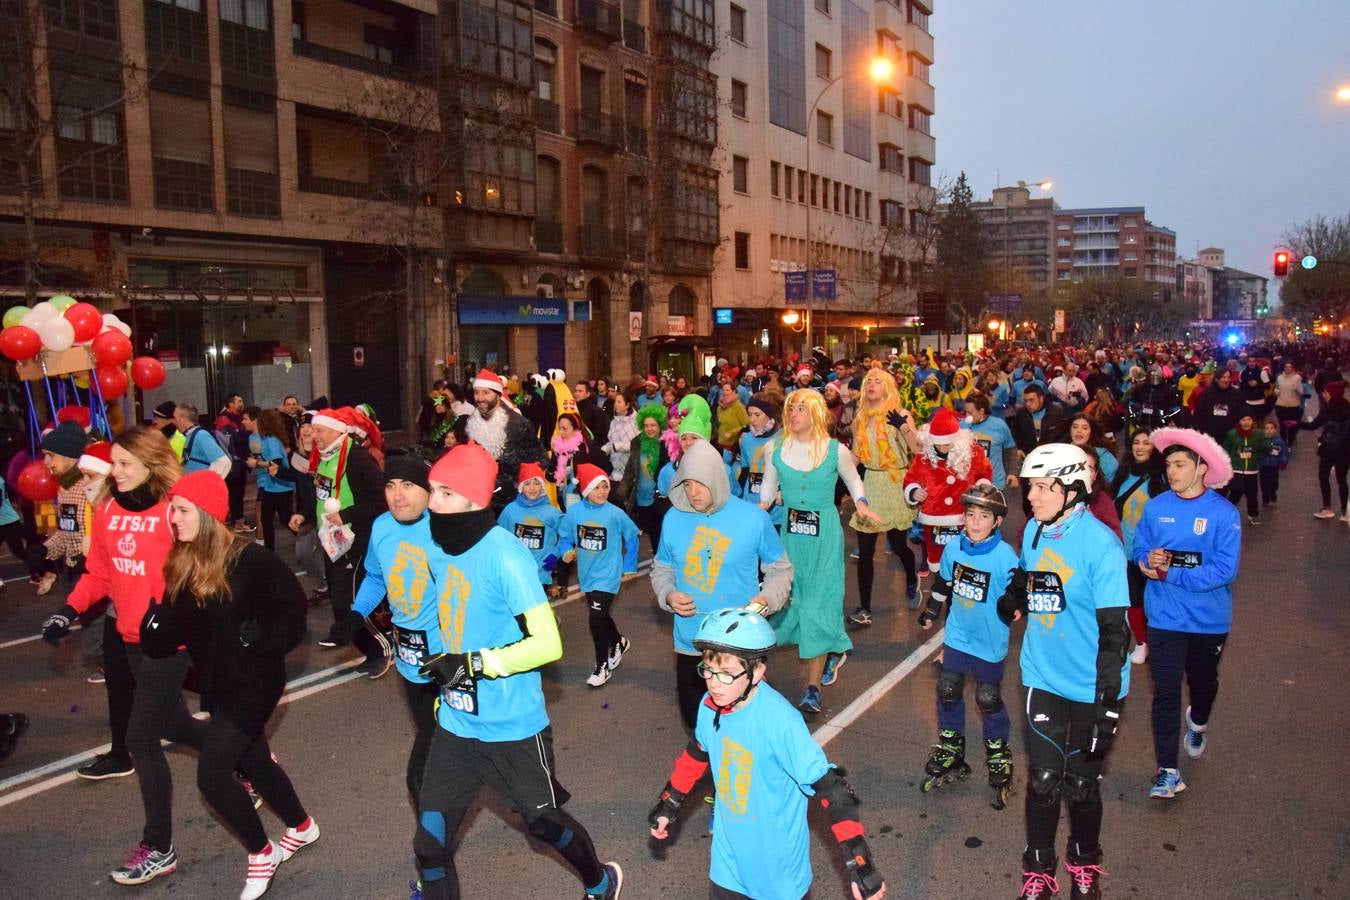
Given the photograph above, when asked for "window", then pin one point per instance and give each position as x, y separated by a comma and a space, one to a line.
918, 15
787, 65
815, 182
892, 213
773, 178
1131, 272
740, 174
825, 128
594, 196
494, 39
867, 205
789, 191
889, 103
891, 160
920, 120
1131, 222
801, 185
190, 5
1061, 226
681, 301
738, 98
547, 7
920, 171
548, 236
742, 250
737, 27
379, 44
823, 6
90, 146
838, 192
635, 209
918, 67
169, 32
297, 20
848, 200
823, 62
249, 13
499, 174
92, 18
252, 185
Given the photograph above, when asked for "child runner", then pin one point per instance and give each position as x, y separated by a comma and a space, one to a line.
1276, 458
974, 572
1247, 450
534, 521
606, 541
761, 847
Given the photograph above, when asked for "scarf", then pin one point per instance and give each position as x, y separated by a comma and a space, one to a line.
456, 533
649, 450
564, 449
69, 479
490, 430
138, 499
767, 430
874, 448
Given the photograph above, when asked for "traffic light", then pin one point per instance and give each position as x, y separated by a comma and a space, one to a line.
1281, 263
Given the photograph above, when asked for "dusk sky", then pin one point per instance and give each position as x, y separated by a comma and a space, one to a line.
1218, 116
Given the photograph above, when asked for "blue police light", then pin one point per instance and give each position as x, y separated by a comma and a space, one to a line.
1232, 338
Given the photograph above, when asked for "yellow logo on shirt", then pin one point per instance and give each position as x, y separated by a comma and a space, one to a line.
407, 579
734, 775
703, 560
1050, 561
454, 600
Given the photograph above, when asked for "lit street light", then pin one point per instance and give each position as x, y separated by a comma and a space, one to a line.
1343, 93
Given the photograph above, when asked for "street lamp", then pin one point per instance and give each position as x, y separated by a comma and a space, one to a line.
1343, 93
879, 70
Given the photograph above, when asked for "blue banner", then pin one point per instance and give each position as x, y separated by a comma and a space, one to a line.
474, 309
823, 284
794, 287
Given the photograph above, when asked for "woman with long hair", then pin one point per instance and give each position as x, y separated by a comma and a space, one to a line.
804, 467
1084, 432
1139, 479
884, 441
267, 456
239, 610
1107, 413
570, 447
129, 542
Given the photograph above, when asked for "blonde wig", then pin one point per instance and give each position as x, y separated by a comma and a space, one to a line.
819, 441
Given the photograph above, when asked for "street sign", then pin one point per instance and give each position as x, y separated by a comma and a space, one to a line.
1005, 304
1309, 262
823, 284
794, 287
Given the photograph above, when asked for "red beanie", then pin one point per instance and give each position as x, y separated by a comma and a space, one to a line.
527, 471
468, 470
205, 489
944, 427
588, 476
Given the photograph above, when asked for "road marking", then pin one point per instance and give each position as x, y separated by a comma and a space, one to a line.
33, 637
868, 698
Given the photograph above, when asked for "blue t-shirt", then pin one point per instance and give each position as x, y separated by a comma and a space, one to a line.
1106, 464
7, 514
754, 453
716, 559
978, 575
1204, 536
535, 524
763, 762
1072, 572
606, 541
397, 567
271, 450
200, 449
993, 435
479, 594
1132, 509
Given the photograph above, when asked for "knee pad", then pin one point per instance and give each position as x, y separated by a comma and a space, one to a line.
1082, 790
1046, 785
551, 829
950, 686
989, 698
429, 841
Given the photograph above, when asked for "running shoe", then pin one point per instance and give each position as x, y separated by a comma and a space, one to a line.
242, 527
1324, 513
12, 726
1253, 520
96, 677
1087, 881
319, 596
1167, 784
912, 595
296, 838
810, 702
616, 656
1139, 655
599, 676
613, 884
261, 867
376, 665
44, 583
145, 864
833, 663
853, 554
105, 765
415, 890
1037, 885
1195, 737
860, 616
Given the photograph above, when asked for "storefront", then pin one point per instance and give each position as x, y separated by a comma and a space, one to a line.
489, 326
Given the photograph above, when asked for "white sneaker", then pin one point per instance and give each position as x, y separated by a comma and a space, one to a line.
622, 647
1195, 737
1323, 513
261, 867
1140, 654
599, 676
295, 838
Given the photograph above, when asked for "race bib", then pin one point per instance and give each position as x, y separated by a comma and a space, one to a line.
945, 534
1244, 454
531, 536
755, 482
1045, 594
67, 518
1220, 410
462, 699
1185, 559
804, 522
1147, 411
1274, 451
592, 538
323, 487
969, 584
412, 646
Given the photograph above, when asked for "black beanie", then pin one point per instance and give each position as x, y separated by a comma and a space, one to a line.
768, 407
67, 439
408, 467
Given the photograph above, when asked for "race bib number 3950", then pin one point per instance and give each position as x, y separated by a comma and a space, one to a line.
1045, 593
805, 522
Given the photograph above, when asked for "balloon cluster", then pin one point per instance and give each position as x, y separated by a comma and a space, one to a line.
63, 322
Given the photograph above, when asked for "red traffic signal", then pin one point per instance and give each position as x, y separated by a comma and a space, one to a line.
1281, 263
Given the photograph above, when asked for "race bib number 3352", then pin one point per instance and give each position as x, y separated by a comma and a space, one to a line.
1045, 593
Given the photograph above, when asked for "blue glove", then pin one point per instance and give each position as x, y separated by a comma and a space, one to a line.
550, 562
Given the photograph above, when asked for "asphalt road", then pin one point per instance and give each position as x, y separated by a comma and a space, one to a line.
1264, 815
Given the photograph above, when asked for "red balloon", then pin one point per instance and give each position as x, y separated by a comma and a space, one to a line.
147, 372
112, 381
86, 320
111, 348
36, 483
19, 342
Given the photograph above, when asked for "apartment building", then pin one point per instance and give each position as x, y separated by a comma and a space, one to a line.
1018, 231
854, 175
1116, 240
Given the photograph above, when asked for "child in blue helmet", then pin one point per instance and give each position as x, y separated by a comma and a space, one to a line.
765, 765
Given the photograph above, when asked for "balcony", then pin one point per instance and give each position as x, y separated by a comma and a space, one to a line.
634, 36
601, 242
548, 236
921, 145
919, 92
888, 16
602, 18
599, 128
637, 139
917, 39
399, 70
547, 116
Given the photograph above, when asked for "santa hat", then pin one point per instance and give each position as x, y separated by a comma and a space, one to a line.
468, 470
329, 418
73, 413
807, 369
944, 427
528, 471
651, 381
96, 458
488, 380
589, 477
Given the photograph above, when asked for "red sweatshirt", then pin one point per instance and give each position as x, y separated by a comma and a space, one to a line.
125, 563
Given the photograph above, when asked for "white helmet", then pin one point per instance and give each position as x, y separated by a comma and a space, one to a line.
1066, 463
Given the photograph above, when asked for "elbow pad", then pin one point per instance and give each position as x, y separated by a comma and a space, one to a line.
1014, 599
1113, 644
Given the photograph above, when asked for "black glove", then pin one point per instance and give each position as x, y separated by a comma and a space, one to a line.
456, 671
1014, 599
1103, 731
668, 807
897, 419
931, 611
346, 628
159, 637
57, 625
858, 861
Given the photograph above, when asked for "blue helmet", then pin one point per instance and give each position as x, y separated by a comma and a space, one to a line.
737, 631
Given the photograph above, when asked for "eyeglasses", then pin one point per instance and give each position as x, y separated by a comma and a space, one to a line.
705, 672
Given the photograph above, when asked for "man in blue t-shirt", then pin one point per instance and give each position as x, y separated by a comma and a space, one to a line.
1072, 589
993, 434
1188, 544
497, 630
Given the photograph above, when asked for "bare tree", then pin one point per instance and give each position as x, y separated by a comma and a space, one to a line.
1322, 292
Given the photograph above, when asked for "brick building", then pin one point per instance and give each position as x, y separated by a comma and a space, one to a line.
1116, 240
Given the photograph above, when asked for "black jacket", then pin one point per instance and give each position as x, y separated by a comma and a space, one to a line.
521, 447
1054, 427
1217, 411
1334, 420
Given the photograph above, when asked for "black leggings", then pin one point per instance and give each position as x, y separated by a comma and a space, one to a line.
1245, 485
867, 548
225, 748
157, 712
604, 633
120, 685
273, 507
422, 707
1057, 770
1324, 470
649, 519
689, 687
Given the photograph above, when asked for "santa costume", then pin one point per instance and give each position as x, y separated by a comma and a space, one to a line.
952, 461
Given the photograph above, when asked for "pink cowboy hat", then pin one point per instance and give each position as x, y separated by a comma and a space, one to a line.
1219, 469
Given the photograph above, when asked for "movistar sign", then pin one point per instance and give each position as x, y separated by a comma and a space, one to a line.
473, 309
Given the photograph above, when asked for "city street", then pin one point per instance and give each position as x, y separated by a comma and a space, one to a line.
1264, 815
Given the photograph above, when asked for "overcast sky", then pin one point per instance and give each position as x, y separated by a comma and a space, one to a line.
1217, 116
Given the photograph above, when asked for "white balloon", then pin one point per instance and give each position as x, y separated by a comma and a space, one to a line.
57, 334
44, 311
32, 319
109, 318
123, 327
